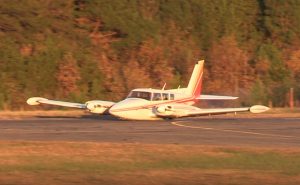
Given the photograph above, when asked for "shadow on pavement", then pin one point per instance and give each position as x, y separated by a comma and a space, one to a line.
94, 117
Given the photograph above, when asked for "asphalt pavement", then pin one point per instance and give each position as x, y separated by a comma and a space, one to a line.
256, 132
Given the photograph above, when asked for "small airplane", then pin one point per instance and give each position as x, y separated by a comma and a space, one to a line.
157, 104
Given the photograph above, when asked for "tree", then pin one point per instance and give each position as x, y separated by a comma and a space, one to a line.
273, 73
135, 75
161, 38
229, 69
293, 64
68, 75
259, 93
112, 79
151, 58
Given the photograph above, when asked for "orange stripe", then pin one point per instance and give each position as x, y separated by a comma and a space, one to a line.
148, 106
198, 81
199, 86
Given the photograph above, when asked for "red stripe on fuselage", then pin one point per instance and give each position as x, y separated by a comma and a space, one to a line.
193, 98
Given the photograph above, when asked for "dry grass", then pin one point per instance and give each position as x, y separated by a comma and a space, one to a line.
50, 113
153, 177
108, 163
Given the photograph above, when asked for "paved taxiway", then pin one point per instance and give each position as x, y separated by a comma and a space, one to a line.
262, 132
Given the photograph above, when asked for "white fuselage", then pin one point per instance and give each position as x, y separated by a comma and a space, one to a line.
136, 108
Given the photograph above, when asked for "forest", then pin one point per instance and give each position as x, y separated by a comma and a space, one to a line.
80, 50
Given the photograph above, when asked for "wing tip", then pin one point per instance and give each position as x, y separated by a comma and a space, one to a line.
258, 109
34, 100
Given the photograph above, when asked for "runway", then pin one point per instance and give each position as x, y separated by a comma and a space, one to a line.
256, 132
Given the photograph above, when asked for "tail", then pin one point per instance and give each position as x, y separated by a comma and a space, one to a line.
195, 83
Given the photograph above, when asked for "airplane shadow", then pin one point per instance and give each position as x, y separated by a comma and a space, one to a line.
93, 117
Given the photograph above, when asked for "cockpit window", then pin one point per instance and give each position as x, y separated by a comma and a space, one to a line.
139, 94
156, 97
147, 96
165, 96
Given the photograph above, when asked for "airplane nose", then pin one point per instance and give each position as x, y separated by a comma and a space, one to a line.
117, 108
124, 106
132, 109
113, 109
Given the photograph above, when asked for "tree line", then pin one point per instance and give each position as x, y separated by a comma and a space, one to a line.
81, 50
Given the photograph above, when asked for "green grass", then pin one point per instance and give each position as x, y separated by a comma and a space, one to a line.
91, 163
139, 159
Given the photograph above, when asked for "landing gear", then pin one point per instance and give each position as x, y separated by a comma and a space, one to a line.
167, 119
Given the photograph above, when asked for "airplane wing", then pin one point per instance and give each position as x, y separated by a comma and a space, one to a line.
214, 97
253, 109
94, 106
176, 111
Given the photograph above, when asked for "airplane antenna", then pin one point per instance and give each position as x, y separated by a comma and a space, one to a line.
164, 86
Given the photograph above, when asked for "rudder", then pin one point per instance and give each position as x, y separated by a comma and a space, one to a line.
195, 83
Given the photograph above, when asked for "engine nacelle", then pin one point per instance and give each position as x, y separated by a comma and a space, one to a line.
165, 111
164, 108
172, 111
98, 107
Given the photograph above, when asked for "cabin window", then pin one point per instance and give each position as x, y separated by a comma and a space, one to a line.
165, 96
139, 94
156, 97
171, 96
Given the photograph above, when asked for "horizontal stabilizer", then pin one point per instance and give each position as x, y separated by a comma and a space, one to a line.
214, 97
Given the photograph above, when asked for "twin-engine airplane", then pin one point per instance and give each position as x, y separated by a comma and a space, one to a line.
155, 104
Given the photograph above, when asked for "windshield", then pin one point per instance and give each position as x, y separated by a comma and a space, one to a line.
139, 94
156, 97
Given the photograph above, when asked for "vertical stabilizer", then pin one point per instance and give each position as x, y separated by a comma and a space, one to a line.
195, 83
